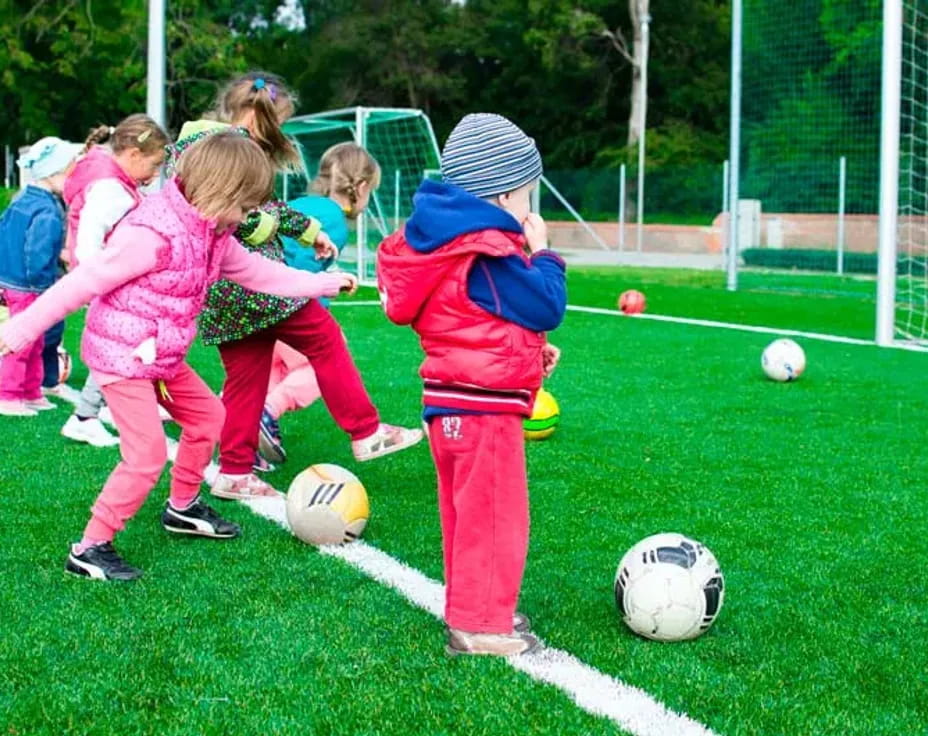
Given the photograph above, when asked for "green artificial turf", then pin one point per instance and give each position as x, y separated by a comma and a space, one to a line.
810, 494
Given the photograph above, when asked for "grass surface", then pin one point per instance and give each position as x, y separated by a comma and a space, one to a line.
810, 494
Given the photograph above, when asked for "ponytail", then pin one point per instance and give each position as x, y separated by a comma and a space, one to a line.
136, 131
342, 169
98, 136
268, 97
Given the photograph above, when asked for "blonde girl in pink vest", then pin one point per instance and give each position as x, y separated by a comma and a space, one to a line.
146, 289
99, 192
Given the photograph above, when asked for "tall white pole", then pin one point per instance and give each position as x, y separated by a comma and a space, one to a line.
645, 43
154, 102
360, 137
889, 171
734, 155
725, 182
842, 203
396, 200
621, 208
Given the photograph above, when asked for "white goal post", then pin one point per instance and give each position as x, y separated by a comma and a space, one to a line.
902, 286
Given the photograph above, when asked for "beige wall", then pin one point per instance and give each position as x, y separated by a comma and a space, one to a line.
798, 231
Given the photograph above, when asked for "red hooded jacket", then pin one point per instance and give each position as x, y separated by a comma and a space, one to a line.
474, 360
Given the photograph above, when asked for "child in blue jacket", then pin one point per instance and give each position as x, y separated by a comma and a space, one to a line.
31, 238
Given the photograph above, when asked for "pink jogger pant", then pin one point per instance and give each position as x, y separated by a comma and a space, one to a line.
293, 383
142, 443
483, 504
21, 373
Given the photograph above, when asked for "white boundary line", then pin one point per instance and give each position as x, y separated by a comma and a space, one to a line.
711, 323
731, 326
595, 692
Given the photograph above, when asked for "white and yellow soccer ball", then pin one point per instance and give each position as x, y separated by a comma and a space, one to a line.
544, 419
669, 587
327, 504
783, 360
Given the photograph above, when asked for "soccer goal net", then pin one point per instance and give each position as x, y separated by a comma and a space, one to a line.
911, 303
404, 145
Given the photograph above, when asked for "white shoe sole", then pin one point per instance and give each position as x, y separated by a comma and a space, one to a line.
390, 450
89, 441
225, 495
451, 651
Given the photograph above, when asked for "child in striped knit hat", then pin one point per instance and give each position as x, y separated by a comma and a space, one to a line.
472, 274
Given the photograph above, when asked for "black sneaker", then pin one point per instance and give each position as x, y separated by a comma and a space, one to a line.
101, 562
199, 520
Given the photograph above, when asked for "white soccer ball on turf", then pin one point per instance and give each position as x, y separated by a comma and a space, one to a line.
783, 360
669, 587
327, 504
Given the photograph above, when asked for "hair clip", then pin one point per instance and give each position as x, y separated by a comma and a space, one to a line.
112, 130
144, 136
272, 92
259, 83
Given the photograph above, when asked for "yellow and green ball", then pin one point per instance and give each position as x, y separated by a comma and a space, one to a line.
544, 419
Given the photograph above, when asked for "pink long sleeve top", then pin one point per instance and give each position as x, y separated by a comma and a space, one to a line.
134, 252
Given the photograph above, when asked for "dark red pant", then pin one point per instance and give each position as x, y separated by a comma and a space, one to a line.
483, 503
314, 332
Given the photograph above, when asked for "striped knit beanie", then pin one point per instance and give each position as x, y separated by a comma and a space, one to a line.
487, 155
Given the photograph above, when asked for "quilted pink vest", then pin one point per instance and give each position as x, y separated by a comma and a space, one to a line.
164, 303
96, 165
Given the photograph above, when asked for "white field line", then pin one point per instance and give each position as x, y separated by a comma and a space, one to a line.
710, 323
724, 325
599, 694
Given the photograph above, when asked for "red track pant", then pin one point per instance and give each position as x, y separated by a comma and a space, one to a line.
314, 332
483, 503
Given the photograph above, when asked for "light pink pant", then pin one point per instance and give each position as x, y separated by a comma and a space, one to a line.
293, 383
21, 372
134, 403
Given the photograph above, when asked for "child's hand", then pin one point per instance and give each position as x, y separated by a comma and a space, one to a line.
550, 355
324, 247
536, 232
4, 348
349, 283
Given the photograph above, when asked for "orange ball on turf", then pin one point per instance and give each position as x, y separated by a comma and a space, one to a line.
632, 302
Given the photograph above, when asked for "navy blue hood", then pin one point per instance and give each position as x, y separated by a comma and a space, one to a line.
442, 212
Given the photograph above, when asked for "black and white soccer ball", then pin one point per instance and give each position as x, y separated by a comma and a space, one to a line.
669, 587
